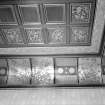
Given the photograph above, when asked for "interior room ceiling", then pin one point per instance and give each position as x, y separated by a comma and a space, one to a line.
32, 27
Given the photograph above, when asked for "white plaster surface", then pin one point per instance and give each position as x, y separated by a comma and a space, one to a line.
53, 96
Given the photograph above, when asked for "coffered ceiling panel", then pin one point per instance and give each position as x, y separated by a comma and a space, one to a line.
56, 35
51, 27
35, 35
80, 12
7, 15
29, 14
80, 35
55, 13
13, 35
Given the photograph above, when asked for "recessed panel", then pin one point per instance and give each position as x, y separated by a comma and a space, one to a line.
80, 12
57, 35
42, 71
35, 35
7, 15
3, 71
1, 40
13, 36
55, 13
89, 71
80, 35
30, 14
66, 71
19, 72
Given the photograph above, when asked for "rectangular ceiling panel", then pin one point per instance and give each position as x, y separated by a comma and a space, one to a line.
80, 12
30, 14
55, 13
13, 36
7, 15
57, 35
80, 35
35, 35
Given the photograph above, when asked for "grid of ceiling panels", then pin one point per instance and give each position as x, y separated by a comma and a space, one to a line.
46, 24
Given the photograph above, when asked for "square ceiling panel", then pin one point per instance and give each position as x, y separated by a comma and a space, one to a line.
80, 35
34, 35
13, 36
7, 15
30, 14
55, 13
80, 12
57, 35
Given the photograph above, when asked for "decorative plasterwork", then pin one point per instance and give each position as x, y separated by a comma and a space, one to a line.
80, 35
89, 70
19, 71
80, 12
13, 35
57, 35
93, 49
34, 35
42, 71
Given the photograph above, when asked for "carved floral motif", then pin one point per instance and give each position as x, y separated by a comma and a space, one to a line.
80, 35
34, 35
57, 35
80, 12
13, 35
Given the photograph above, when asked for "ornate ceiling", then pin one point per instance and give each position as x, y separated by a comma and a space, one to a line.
45, 27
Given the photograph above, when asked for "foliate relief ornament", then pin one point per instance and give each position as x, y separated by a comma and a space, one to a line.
35, 36
58, 35
81, 13
13, 35
79, 35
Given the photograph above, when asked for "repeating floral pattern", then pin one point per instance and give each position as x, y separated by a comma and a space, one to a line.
19, 71
42, 71
80, 12
80, 35
57, 35
89, 70
35, 35
13, 35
